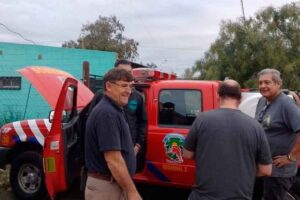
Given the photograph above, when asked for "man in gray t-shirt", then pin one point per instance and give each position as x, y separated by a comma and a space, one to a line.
280, 118
229, 148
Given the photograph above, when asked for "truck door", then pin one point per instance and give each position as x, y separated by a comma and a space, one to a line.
62, 153
174, 108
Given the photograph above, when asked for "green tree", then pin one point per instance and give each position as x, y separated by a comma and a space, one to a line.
105, 34
191, 73
271, 39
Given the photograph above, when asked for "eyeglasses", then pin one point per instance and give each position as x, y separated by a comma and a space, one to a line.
262, 113
123, 85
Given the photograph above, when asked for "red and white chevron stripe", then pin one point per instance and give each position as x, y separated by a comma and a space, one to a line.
37, 128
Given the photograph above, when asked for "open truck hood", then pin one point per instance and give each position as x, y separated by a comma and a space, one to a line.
49, 81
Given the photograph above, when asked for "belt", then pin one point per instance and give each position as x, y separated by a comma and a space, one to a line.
101, 176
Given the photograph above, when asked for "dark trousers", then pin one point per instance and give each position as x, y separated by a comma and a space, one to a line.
258, 189
272, 188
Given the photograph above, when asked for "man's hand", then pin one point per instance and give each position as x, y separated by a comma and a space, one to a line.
134, 196
280, 161
119, 171
188, 154
137, 148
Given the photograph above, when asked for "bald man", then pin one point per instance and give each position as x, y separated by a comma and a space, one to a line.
229, 148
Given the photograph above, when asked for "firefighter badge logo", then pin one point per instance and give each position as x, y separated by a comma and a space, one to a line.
173, 146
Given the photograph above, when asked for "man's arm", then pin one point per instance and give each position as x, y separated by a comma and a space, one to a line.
119, 171
294, 153
188, 154
263, 157
264, 170
291, 117
190, 142
282, 160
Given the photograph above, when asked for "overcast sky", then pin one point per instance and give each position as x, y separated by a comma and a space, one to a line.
173, 34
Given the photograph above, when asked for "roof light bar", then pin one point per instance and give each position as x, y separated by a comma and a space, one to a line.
147, 74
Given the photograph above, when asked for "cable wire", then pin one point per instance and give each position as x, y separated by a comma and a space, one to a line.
17, 33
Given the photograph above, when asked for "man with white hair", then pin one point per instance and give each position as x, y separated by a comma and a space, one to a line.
280, 118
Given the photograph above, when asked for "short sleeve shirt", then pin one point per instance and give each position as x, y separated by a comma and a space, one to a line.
280, 120
228, 145
135, 113
107, 130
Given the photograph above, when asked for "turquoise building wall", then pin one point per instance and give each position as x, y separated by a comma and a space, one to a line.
27, 103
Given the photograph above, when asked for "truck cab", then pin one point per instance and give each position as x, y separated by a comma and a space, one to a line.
172, 105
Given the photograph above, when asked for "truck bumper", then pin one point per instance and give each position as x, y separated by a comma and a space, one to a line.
3, 157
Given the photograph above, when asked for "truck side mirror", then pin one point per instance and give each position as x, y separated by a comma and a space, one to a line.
51, 116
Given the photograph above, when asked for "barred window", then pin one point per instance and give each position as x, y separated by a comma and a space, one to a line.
10, 82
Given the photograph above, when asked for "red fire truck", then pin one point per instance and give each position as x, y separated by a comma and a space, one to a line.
57, 143
171, 104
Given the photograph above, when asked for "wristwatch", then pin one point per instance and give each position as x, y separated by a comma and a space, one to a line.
291, 158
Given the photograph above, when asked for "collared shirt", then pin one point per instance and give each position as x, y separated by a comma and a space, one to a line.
107, 130
135, 114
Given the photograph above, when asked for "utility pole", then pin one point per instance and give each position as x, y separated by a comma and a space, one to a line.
242, 4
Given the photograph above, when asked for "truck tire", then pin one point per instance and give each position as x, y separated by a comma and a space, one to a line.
26, 176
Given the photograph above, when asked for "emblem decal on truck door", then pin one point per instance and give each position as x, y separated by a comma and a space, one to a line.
173, 146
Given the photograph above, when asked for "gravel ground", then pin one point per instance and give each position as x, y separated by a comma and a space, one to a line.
4, 179
5, 190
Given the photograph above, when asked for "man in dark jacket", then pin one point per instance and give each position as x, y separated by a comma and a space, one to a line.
135, 110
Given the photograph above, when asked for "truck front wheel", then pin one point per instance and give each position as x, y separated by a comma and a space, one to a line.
27, 177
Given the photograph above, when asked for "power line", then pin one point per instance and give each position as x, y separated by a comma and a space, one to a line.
172, 48
17, 33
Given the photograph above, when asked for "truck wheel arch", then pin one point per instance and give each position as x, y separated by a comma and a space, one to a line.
21, 148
